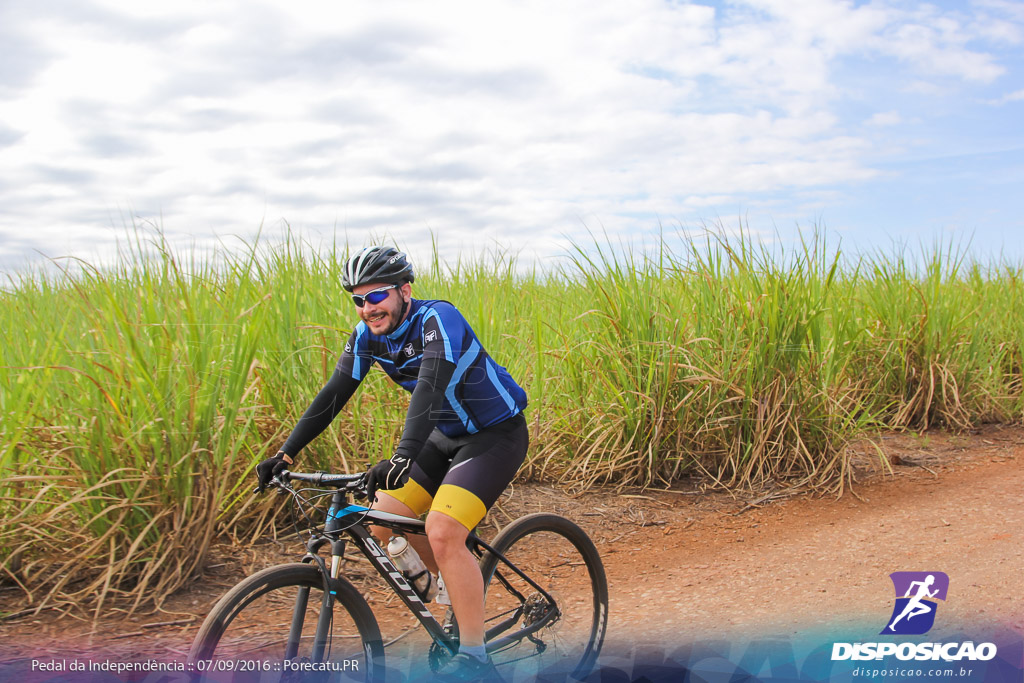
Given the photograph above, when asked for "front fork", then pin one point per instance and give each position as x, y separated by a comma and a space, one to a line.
323, 625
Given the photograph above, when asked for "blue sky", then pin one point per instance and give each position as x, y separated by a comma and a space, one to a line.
520, 124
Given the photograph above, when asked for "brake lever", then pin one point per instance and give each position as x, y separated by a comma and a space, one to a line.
358, 487
281, 485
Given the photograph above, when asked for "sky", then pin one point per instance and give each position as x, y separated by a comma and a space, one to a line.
518, 125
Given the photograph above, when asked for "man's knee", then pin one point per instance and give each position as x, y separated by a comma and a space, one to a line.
446, 534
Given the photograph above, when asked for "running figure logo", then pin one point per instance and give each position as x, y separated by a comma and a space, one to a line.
917, 596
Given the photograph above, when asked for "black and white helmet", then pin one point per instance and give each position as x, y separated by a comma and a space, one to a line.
377, 264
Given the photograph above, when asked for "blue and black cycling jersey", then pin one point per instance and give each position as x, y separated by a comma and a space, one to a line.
456, 386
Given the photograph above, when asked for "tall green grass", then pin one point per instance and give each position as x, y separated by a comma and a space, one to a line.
136, 399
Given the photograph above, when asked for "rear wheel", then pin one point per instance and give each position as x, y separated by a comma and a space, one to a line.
562, 560
266, 626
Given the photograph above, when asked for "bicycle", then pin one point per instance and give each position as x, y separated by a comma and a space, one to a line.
546, 599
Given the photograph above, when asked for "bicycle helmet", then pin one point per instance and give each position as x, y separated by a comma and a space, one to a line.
377, 264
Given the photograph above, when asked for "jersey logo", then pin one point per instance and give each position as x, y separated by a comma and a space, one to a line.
409, 350
430, 336
348, 347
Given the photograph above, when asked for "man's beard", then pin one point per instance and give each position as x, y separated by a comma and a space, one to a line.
395, 319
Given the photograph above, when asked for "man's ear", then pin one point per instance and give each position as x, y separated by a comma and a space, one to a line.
406, 290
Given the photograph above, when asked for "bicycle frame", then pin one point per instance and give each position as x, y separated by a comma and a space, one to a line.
352, 520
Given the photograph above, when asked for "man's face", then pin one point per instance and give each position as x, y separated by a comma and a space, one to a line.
385, 317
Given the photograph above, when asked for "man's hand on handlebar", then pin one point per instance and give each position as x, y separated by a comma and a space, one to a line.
387, 475
270, 468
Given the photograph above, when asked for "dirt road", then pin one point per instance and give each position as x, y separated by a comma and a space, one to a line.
955, 506
684, 565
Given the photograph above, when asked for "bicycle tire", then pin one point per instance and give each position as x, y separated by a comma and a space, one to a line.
550, 550
270, 596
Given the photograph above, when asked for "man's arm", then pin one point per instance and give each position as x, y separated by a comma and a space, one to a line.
325, 407
348, 373
425, 405
431, 383
321, 412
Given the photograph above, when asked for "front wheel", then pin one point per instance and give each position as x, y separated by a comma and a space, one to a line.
562, 560
273, 624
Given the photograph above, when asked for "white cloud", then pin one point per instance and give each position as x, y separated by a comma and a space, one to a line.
500, 119
885, 118
1016, 96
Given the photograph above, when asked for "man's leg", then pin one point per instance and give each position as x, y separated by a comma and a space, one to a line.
461, 575
483, 467
388, 503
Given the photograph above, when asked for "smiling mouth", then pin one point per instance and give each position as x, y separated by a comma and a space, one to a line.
376, 318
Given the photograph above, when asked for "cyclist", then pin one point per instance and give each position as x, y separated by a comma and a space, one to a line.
464, 438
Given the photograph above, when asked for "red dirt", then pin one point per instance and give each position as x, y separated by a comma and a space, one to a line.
687, 565
814, 563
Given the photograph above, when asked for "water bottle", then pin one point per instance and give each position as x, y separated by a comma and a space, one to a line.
408, 561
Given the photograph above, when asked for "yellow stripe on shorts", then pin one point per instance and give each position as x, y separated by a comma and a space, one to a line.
460, 504
413, 495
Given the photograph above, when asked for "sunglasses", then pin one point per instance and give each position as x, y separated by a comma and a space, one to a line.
374, 296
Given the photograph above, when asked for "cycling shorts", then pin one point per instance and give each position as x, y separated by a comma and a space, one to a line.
463, 476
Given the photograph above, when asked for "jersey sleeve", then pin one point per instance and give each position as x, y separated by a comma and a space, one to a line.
348, 373
321, 412
443, 331
425, 405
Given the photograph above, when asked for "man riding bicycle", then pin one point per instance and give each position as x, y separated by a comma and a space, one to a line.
464, 438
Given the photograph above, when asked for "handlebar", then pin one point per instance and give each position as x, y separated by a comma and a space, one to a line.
351, 482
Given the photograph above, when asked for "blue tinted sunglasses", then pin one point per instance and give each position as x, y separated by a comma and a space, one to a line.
374, 296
